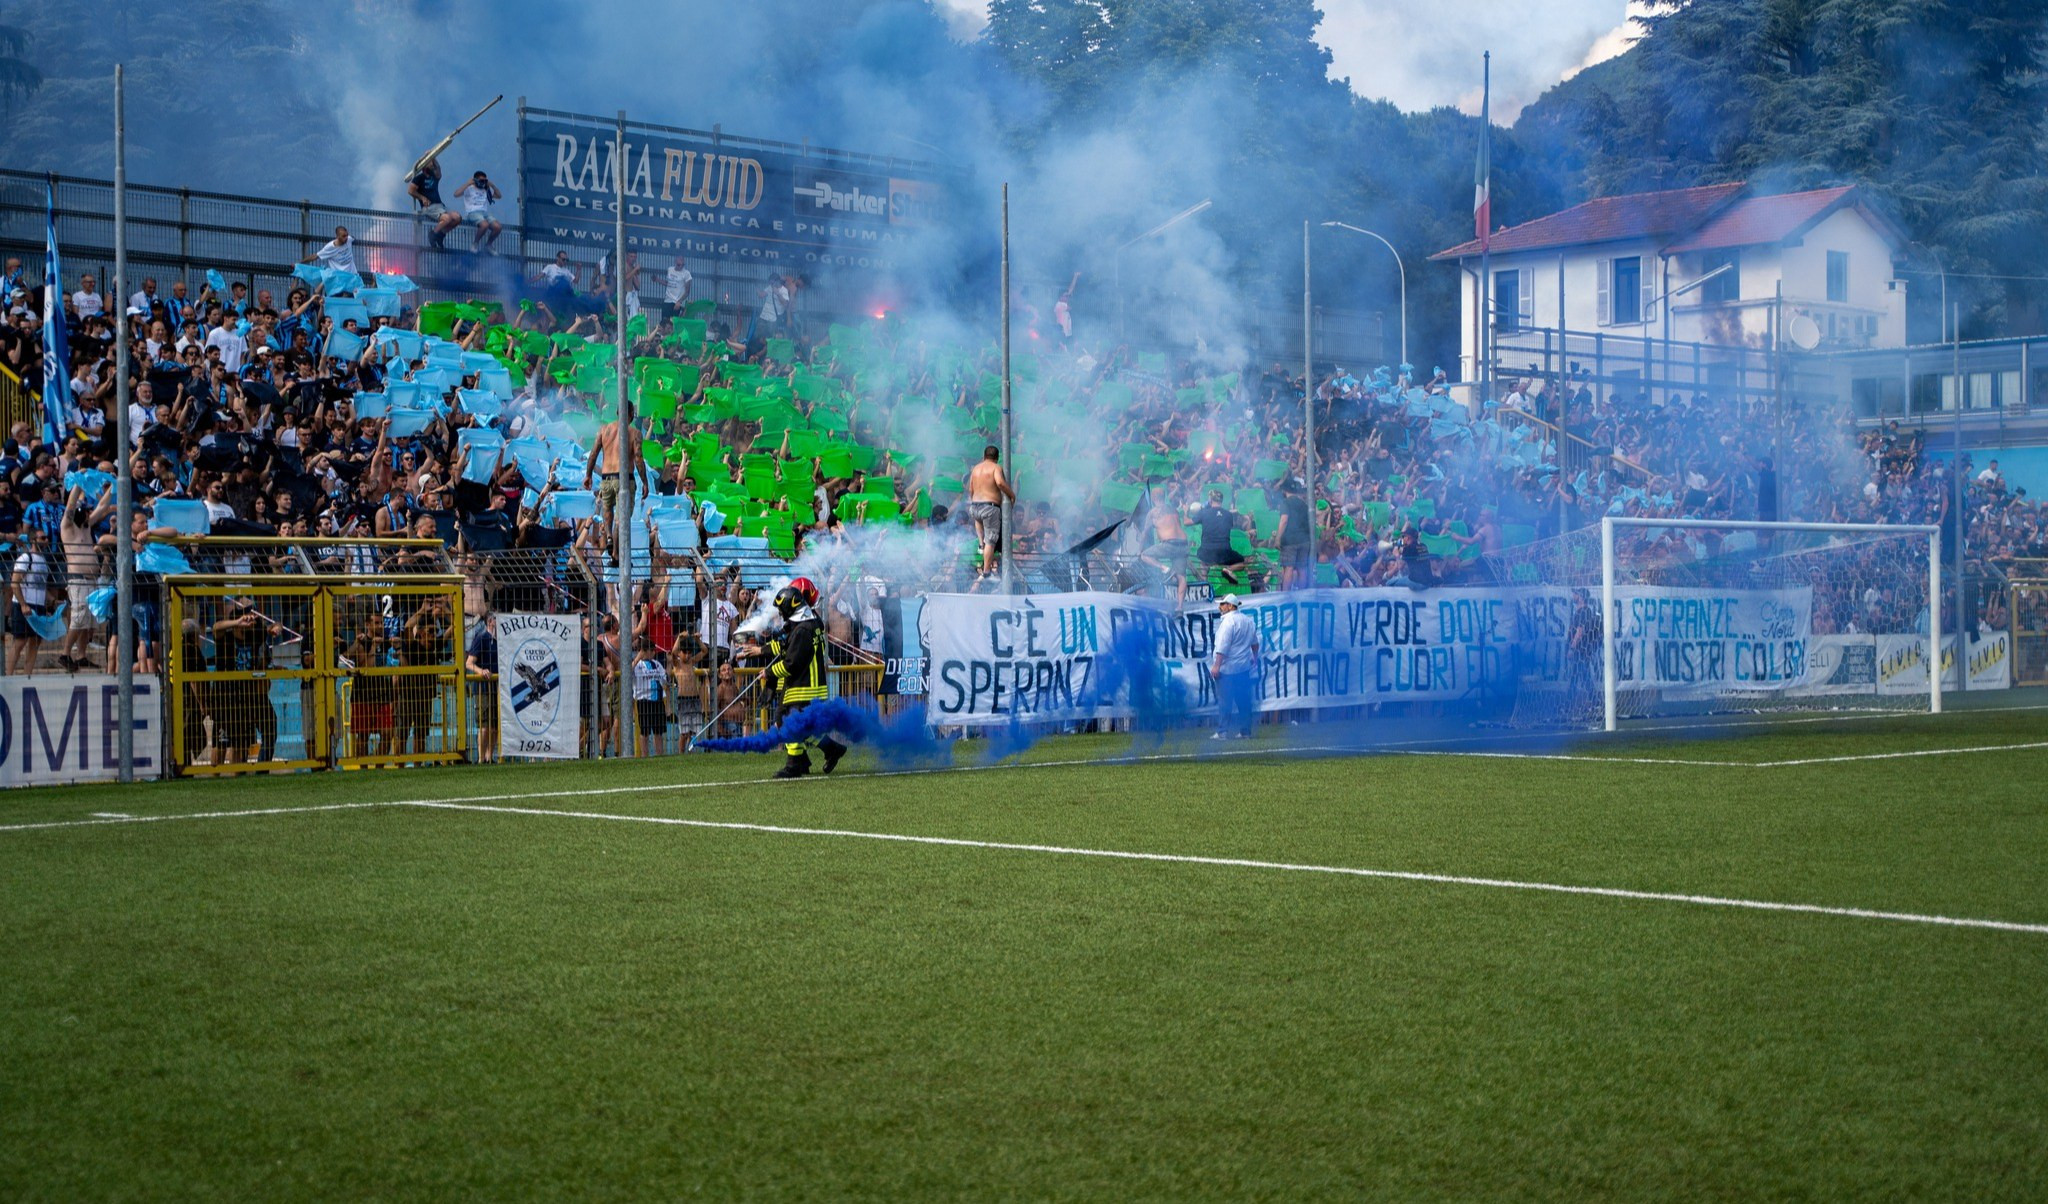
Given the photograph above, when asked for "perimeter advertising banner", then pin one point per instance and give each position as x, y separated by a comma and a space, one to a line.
984, 659
540, 680
61, 729
692, 193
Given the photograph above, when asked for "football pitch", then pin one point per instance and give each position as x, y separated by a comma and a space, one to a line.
1801, 960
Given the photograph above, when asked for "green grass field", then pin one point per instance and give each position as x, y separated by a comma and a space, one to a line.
405, 1002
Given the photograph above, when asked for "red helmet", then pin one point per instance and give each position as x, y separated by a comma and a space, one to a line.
802, 585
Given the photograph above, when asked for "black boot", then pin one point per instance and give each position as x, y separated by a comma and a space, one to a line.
795, 767
833, 750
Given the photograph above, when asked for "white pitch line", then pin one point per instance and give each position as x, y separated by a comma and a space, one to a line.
1608, 892
1887, 756
110, 820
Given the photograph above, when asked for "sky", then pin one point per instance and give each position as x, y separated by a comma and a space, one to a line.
1437, 61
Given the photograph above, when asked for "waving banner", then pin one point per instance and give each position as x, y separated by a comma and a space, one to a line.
1070, 656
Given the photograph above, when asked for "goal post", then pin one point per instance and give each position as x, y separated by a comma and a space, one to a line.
1703, 614
1634, 618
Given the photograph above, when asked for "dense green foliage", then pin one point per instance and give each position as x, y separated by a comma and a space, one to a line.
395, 1002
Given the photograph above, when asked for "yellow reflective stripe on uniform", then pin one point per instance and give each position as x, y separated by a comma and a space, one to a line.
803, 693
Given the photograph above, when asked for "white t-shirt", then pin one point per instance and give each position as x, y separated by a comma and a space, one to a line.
338, 256
232, 346
34, 570
679, 279
141, 300
555, 271
475, 198
88, 304
648, 679
1237, 643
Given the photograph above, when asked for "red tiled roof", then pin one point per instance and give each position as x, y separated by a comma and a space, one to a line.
1758, 220
1653, 215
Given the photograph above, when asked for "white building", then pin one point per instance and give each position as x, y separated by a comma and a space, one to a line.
1634, 287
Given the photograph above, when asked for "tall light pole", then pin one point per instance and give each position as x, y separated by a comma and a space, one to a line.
1308, 406
1004, 540
1117, 260
622, 505
1404, 277
124, 456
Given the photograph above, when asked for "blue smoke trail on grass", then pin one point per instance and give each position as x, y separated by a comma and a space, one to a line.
901, 741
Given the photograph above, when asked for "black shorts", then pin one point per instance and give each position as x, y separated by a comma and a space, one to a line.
1220, 557
653, 716
17, 622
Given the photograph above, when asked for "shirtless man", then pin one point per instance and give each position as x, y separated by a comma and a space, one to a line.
604, 466
1168, 551
987, 486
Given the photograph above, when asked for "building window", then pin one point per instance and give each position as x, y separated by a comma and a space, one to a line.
1838, 275
1510, 301
1622, 291
1727, 287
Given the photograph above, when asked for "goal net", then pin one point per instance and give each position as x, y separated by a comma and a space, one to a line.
1638, 618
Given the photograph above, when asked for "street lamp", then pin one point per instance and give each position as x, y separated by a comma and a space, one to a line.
1117, 261
1404, 278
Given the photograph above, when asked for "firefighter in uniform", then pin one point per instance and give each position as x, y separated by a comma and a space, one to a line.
799, 671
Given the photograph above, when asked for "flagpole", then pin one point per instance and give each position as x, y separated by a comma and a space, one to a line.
124, 458
1005, 538
1484, 215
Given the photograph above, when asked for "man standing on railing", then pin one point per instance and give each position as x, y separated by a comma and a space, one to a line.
799, 670
987, 486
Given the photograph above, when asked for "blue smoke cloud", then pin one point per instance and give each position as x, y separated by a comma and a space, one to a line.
900, 741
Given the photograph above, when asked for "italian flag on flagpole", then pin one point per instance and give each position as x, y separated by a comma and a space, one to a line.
1482, 186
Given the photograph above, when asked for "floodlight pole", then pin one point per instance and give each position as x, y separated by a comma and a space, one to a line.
622, 505
124, 457
1308, 409
1004, 538
1404, 278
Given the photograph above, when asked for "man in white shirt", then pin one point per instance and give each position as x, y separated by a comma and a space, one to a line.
1235, 667
226, 340
145, 297
676, 290
477, 197
87, 300
338, 255
28, 592
141, 411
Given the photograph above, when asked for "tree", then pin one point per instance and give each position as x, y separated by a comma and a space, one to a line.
19, 78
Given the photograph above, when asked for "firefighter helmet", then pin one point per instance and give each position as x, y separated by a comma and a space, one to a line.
788, 601
803, 586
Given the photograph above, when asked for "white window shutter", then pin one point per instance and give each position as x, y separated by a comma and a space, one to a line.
1604, 271
1525, 295
1649, 289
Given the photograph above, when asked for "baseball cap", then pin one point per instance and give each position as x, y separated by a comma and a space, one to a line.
1229, 600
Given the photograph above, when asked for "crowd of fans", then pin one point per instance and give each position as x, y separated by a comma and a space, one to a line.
804, 442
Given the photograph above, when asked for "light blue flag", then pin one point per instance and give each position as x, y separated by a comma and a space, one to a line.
380, 302
217, 282
484, 445
407, 395
344, 345
410, 342
50, 626
92, 480
372, 405
184, 516
397, 282
477, 361
162, 559
441, 353
341, 309
57, 416
569, 505
312, 273
480, 402
101, 602
497, 379
557, 429
407, 423
340, 281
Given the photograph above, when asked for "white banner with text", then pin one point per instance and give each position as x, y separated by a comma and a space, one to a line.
1072, 656
60, 729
